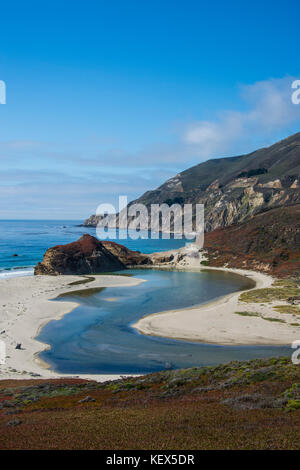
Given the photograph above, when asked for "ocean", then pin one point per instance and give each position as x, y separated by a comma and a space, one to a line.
29, 239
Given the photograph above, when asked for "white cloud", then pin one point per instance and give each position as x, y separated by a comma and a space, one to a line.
269, 110
71, 179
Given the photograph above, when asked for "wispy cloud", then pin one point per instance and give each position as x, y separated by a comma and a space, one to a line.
48, 179
51, 194
268, 110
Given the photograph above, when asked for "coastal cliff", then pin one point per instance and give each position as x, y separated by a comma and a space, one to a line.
232, 189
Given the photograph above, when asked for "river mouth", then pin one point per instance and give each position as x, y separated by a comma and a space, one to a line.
97, 337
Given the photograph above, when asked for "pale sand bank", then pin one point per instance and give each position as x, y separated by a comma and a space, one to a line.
26, 306
216, 322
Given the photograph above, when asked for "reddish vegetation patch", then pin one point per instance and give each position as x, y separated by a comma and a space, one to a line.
240, 405
86, 245
12, 383
184, 424
268, 242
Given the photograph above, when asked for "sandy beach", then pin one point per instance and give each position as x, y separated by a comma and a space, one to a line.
217, 322
26, 306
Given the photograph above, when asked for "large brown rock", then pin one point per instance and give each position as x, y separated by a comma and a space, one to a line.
85, 256
126, 256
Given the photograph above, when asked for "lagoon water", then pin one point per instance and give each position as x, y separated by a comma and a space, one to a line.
97, 336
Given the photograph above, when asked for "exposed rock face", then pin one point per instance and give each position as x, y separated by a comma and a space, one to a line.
232, 189
87, 256
126, 256
163, 257
92, 221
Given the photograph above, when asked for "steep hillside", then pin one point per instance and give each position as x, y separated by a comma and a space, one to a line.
269, 242
233, 189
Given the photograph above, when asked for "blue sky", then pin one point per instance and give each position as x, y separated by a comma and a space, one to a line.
108, 98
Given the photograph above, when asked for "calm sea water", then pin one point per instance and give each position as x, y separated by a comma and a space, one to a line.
29, 239
97, 336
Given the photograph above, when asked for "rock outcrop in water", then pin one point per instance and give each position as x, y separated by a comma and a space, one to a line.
88, 256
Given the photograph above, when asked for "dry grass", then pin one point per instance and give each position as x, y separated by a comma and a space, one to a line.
274, 319
286, 283
268, 294
287, 309
247, 314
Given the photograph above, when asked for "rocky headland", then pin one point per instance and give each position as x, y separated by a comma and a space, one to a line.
232, 189
88, 256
